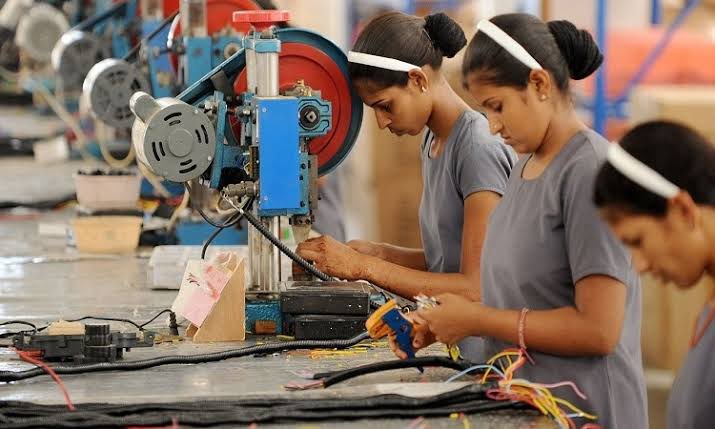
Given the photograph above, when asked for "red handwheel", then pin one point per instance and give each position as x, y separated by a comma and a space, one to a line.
318, 70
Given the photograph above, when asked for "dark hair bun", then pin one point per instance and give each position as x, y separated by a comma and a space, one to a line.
446, 34
577, 47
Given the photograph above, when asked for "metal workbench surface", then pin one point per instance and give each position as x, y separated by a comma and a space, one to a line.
43, 291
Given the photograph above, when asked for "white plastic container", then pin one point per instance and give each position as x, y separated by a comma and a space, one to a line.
107, 192
51, 151
107, 234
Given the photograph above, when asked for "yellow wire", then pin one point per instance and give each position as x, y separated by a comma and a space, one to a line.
540, 396
494, 359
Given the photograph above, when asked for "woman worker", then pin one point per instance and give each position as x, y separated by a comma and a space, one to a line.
553, 277
657, 192
395, 66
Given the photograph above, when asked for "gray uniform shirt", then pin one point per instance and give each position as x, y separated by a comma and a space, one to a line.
472, 161
544, 236
692, 399
329, 215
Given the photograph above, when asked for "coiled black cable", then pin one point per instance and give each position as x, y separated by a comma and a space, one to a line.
8, 376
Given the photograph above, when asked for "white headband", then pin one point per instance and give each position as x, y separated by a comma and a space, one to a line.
640, 173
380, 62
508, 43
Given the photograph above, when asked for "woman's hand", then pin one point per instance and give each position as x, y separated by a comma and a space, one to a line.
333, 257
421, 336
451, 320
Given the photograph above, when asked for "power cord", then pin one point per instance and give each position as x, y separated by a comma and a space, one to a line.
7, 376
173, 326
233, 220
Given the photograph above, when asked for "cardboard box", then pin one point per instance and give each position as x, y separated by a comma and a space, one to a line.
690, 104
668, 317
700, 20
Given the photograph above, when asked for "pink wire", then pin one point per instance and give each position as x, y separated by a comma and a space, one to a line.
566, 383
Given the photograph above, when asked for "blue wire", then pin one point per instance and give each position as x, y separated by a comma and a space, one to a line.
468, 370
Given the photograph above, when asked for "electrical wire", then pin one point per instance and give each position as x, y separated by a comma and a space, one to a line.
37, 362
232, 221
150, 36
20, 322
139, 326
7, 376
208, 220
474, 368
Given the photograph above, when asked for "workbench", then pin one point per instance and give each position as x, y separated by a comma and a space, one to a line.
66, 285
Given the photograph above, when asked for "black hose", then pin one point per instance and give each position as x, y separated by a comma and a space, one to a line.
150, 36
7, 376
335, 377
283, 248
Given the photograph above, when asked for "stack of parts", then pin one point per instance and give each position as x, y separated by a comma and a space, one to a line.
325, 310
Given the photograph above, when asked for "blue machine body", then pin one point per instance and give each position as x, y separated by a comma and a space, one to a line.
283, 160
282, 171
197, 59
158, 61
261, 310
203, 54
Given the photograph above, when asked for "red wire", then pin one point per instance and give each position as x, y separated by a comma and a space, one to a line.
28, 358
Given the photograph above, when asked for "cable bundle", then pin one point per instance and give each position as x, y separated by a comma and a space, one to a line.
537, 395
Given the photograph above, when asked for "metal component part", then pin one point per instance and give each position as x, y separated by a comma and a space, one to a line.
39, 30
174, 139
108, 87
251, 82
309, 117
74, 55
267, 69
240, 190
263, 257
318, 297
230, 49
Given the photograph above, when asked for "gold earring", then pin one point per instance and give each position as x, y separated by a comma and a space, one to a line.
543, 97
424, 89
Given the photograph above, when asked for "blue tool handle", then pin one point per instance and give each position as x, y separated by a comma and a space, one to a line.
402, 329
